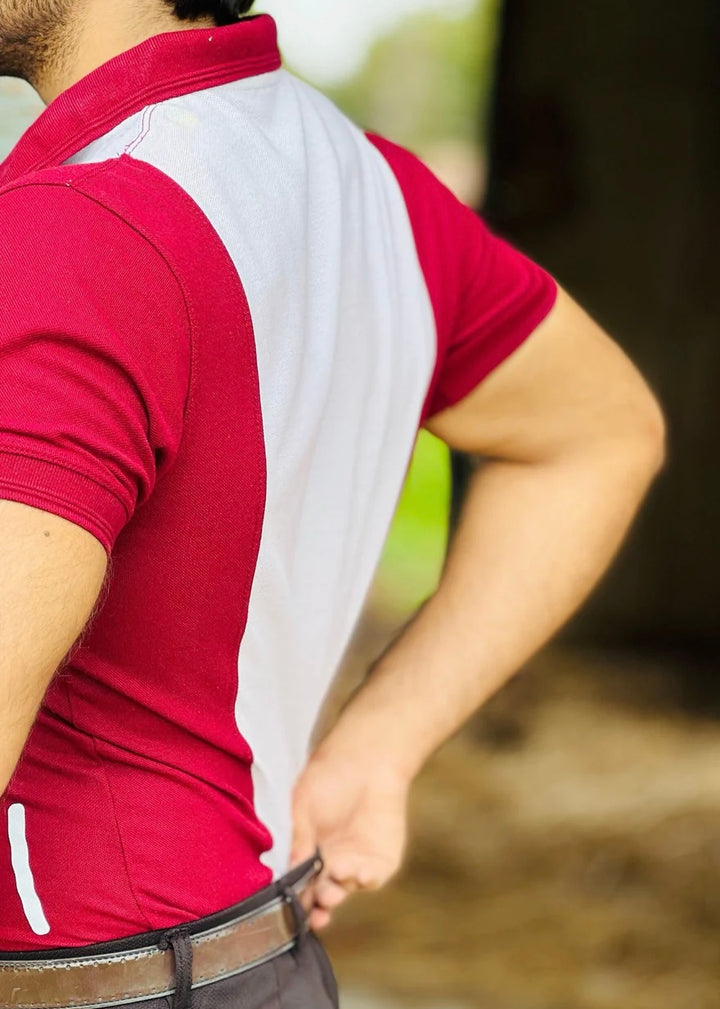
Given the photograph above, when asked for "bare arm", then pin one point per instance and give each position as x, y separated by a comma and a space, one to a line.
51, 573
573, 439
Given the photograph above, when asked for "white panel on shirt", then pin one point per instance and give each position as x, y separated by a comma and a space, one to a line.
317, 227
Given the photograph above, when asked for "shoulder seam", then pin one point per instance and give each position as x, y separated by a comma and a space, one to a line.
75, 186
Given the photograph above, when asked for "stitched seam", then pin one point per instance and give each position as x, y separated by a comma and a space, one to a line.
186, 300
73, 506
18, 488
106, 776
105, 166
139, 132
112, 744
144, 130
47, 460
77, 962
66, 149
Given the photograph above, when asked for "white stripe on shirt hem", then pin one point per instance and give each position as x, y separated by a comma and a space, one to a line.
24, 880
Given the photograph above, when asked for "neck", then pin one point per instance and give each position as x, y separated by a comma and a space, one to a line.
103, 30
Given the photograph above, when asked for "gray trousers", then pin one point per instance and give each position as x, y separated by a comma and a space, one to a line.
300, 979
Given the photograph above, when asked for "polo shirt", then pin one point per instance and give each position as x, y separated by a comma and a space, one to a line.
225, 311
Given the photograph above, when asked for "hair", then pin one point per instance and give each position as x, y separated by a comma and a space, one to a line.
225, 12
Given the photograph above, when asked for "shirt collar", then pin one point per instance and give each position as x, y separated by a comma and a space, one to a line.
164, 66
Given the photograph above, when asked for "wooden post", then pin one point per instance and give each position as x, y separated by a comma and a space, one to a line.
605, 167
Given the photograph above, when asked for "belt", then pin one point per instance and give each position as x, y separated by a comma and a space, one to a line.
246, 940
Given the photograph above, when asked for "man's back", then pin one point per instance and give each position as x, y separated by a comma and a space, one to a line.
272, 302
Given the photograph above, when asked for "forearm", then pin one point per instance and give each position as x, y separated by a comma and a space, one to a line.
577, 436
532, 542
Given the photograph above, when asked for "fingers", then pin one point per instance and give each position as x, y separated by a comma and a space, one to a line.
326, 896
359, 827
353, 871
335, 884
342, 876
329, 894
319, 919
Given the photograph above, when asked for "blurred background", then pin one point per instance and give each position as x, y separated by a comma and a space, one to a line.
565, 848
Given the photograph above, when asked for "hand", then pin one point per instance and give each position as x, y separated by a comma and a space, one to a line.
356, 814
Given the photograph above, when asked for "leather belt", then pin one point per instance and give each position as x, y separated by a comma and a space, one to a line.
112, 979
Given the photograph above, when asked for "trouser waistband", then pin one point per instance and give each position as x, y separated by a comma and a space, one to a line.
141, 966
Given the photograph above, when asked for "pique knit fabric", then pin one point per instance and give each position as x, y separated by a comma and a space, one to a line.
226, 311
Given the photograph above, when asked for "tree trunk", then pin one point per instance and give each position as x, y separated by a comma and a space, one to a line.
605, 167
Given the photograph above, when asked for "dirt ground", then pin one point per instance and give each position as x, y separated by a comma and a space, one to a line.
565, 852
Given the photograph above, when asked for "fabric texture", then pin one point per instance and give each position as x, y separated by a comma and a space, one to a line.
486, 295
226, 313
300, 978
93, 385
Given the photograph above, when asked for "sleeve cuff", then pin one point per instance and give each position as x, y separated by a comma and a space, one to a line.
453, 389
54, 488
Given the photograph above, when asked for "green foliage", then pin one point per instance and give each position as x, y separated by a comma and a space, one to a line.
428, 80
415, 550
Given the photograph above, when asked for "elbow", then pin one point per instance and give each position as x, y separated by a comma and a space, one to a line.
655, 436
646, 435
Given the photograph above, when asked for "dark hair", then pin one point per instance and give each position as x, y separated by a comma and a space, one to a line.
225, 12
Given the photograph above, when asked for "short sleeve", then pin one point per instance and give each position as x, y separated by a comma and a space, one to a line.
94, 359
487, 296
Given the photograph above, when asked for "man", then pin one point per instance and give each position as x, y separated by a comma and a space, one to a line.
224, 314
